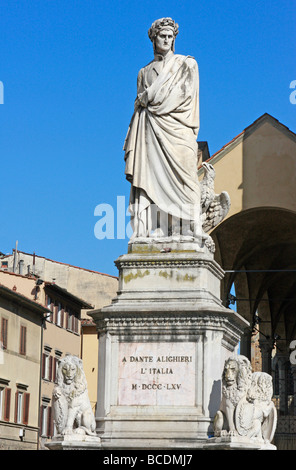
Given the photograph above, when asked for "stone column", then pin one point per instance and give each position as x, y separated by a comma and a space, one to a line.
245, 343
283, 395
266, 346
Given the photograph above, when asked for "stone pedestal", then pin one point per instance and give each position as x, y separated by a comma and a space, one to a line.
74, 442
162, 346
237, 443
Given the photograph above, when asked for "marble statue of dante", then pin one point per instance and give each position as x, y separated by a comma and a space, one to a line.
160, 146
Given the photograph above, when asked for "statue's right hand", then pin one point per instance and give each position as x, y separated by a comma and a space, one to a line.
137, 104
143, 99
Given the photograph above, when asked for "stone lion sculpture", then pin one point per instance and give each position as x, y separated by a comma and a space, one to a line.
236, 380
71, 405
255, 414
247, 410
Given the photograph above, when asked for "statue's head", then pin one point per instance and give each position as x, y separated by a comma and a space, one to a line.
237, 372
230, 372
261, 387
163, 33
70, 371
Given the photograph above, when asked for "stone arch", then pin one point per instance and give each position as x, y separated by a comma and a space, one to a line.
257, 250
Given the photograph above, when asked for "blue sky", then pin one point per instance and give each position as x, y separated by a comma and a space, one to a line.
69, 71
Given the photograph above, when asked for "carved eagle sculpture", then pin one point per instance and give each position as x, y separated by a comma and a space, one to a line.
214, 207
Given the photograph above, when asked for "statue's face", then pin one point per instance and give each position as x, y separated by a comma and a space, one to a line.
164, 41
69, 371
230, 373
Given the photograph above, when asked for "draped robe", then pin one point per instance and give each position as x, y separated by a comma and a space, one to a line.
160, 146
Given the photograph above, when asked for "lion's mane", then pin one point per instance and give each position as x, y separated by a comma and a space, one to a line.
79, 383
243, 378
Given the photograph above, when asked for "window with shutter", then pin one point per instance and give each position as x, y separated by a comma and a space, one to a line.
44, 420
49, 305
26, 406
43, 366
55, 369
62, 317
41, 418
21, 411
49, 421
47, 366
23, 340
18, 407
2, 392
56, 308
4, 327
7, 400
59, 314
50, 368
67, 319
70, 321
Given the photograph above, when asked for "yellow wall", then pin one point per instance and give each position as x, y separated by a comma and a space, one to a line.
18, 369
229, 177
24, 285
90, 350
269, 169
258, 169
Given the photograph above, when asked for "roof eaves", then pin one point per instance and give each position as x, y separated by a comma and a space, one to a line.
60, 290
22, 299
65, 264
246, 132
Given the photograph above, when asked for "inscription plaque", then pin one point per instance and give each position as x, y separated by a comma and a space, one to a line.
156, 374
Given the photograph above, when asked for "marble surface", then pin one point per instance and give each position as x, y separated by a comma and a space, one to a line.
156, 374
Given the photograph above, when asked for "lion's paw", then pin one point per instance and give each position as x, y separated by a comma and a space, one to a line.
80, 431
67, 431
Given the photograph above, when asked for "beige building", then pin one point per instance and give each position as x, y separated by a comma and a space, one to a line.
60, 334
256, 247
96, 288
21, 320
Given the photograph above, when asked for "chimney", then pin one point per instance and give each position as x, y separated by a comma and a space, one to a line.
14, 257
21, 267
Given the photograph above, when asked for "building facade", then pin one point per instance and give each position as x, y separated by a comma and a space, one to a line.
255, 245
96, 288
21, 323
60, 334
